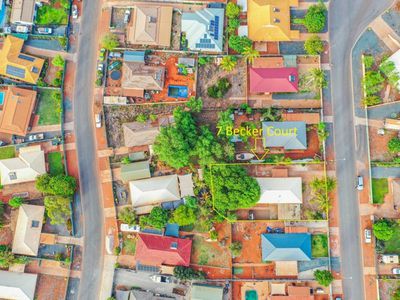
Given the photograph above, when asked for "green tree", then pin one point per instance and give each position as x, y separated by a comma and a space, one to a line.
125, 160
195, 104
184, 215
373, 82
323, 277
315, 18
208, 150
239, 43
371, 100
61, 185
16, 202
58, 61
142, 118
57, 209
203, 60
314, 45
7, 258
224, 122
228, 63
232, 187
250, 54
158, 218
369, 61
383, 229
110, 41
128, 215
236, 249
219, 90
232, 10
323, 133
233, 24
394, 145
186, 273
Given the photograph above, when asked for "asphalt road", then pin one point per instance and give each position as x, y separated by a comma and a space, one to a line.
347, 20
92, 260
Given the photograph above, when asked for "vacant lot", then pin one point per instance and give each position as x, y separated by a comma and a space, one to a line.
380, 189
212, 254
50, 287
56, 165
49, 109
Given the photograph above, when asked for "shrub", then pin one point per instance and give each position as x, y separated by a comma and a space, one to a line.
236, 249
233, 24
314, 45
368, 61
371, 100
16, 202
186, 273
373, 82
195, 104
383, 230
109, 41
57, 209
142, 118
394, 145
315, 18
239, 43
58, 61
127, 215
232, 10
219, 90
158, 218
323, 277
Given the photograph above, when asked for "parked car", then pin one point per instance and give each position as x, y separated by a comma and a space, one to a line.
244, 156
35, 137
127, 228
102, 54
360, 183
115, 55
127, 16
22, 29
367, 236
162, 278
115, 65
396, 271
100, 67
319, 290
97, 118
74, 11
251, 215
45, 30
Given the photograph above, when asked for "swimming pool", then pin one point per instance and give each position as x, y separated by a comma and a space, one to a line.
178, 91
2, 98
251, 295
2, 12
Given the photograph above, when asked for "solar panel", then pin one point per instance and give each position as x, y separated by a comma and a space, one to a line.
205, 45
15, 71
216, 27
26, 57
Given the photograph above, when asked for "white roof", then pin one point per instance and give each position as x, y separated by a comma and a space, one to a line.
154, 190
280, 190
186, 185
26, 167
243, 30
242, 4
395, 58
17, 286
28, 229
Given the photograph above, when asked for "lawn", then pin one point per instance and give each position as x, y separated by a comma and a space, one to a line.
49, 110
380, 188
56, 13
130, 246
55, 163
7, 152
319, 245
393, 245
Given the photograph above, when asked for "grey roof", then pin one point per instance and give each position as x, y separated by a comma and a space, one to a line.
15, 285
286, 247
134, 56
135, 171
289, 135
204, 29
187, 61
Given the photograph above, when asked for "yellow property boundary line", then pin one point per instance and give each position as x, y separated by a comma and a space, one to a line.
271, 164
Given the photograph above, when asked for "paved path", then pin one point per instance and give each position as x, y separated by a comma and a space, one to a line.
49, 53
380, 172
347, 20
386, 34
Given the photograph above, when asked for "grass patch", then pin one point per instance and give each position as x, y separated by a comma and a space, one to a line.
49, 109
56, 13
380, 188
393, 245
56, 166
130, 246
319, 245
7, 152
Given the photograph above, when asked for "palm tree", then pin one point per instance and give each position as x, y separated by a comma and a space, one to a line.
249, 53
315, 79
228, 63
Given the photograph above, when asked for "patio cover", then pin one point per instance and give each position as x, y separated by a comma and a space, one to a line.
278, 289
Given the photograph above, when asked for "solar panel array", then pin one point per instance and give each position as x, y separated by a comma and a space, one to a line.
26, 57
205, 46
214, 27
15, 71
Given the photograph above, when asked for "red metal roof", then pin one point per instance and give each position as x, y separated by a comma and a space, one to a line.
156, 250
273, 80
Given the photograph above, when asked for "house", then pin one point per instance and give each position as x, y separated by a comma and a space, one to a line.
286, 247
273, 80
269, 20
139, 134
23, 12
28, 229
17, 111
135, 171
26, 167
280, 190
186, 185
15, 285
204, 29
151, 25
206, 292
287, 135
154, 190
280, 291
156, 250
138, 76
17, 65
395, 59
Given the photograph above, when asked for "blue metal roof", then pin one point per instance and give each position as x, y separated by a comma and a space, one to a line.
286, 247
172, 229
134, 56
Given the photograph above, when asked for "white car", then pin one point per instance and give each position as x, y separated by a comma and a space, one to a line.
74, 11
127, 228
100, 67
368, 236
45, 30
97, 118
22, 29
396, 271
360, 183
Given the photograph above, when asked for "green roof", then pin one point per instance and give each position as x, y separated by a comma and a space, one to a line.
135, 171
206, 292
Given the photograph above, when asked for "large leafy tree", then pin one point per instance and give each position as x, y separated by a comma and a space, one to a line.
61, 185
195, 104
315, 18
57, 209
207, 149
232, 188
323, 277
158, 218
383, 230
314, 45
109, 41
128, 216
232, 10
184, 215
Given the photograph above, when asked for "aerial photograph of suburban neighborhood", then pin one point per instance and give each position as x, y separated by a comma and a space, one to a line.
200, 149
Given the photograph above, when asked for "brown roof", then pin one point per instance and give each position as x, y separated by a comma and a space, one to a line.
22, 11
299, 290
268, 62
151, 25
309, 118
138, 134
139, 76
17, 111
